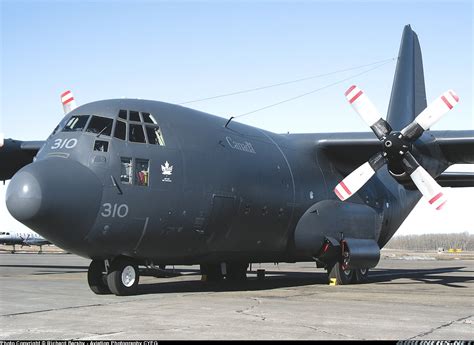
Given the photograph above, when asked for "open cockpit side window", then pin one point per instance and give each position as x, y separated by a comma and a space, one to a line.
126, 170
134, 171
142, 172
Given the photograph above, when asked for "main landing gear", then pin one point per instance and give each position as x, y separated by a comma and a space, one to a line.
337, 275
120, 278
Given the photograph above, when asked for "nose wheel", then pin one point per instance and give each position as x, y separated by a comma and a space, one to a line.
97, 277
121, 278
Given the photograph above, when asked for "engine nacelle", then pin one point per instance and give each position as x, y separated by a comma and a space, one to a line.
15, 154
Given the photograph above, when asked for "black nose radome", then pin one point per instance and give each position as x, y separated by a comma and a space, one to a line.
56, 197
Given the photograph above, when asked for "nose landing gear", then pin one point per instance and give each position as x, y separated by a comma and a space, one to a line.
120, 278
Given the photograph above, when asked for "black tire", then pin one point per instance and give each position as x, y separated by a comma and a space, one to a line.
123, 277
361, 275
212, 272
97, 278
343, 277
237, 271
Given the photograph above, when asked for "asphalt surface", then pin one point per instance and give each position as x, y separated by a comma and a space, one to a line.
47, 297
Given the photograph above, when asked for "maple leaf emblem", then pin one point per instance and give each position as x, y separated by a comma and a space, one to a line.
167, 169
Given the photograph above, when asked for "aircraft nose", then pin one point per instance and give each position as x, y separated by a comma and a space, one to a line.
58, 198
24, 196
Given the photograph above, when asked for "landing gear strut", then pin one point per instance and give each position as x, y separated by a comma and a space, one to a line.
212, 272
237, 271
233, 271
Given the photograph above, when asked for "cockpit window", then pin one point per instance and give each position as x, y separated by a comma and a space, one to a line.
134, 116
154, 135
120, 130
136, 134
148, 118
123, 114
142, 127
76, 123
100, 125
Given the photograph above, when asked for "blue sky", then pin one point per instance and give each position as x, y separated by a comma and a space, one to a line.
178, 51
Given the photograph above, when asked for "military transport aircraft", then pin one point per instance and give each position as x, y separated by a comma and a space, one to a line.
129, 182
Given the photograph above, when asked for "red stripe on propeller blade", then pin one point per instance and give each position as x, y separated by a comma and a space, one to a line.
456, 97
338, 194
440, 206
353, 99
349, 90
345, 188
436, 197
446, 102
65, 93
68, 100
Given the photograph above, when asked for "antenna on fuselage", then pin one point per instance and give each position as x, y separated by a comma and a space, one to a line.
231, 118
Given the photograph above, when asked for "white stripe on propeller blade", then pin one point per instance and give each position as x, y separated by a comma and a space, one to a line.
362, 105
354, 181
439, 107
430, 189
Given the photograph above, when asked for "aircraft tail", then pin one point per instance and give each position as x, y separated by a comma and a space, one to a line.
408, 97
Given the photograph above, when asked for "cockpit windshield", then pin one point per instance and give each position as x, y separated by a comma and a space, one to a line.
76, 123
100, 125
142, 128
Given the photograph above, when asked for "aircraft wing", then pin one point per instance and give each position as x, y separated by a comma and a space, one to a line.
349, 150
457, 146
15, 154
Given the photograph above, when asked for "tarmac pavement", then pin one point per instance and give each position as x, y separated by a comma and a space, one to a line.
47, 297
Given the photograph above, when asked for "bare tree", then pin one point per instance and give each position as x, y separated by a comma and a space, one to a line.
462, 240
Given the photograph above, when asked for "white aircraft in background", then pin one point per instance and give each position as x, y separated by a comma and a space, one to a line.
23, 238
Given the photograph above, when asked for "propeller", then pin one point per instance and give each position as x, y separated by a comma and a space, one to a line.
24, 241
68, 101
396, 146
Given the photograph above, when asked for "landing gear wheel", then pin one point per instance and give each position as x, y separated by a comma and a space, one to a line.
212, 272
343, 277
361, 275
123, 277
237, 271
97, 278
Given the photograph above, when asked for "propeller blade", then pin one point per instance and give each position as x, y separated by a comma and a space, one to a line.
67, 99
367, 111
356, 179
432, 114
425, 183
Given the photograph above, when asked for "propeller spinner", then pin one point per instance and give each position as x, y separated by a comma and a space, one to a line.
396, 146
